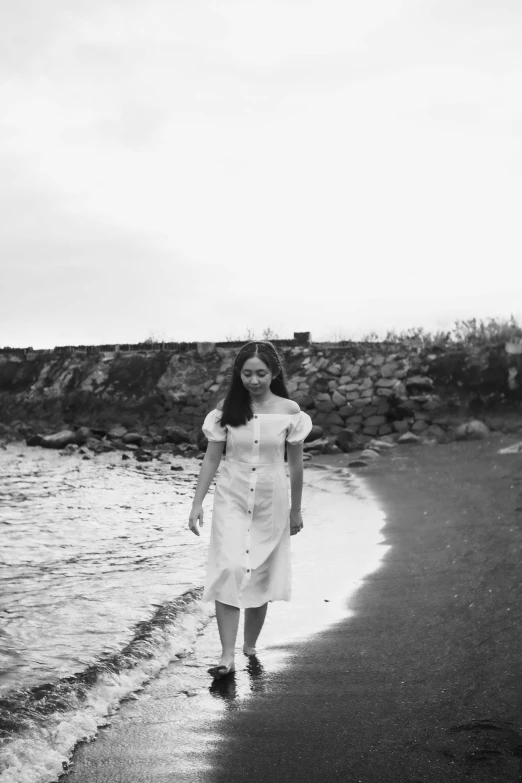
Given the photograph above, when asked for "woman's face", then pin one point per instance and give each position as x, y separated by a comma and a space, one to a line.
256, 376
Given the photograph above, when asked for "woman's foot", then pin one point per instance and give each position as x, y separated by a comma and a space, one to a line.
224, 667
248, 650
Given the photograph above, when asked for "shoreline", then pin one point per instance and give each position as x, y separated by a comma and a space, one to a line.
420, 683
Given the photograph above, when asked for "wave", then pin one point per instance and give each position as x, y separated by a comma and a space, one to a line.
40, 726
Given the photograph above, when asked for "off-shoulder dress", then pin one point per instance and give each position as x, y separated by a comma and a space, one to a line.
249, 552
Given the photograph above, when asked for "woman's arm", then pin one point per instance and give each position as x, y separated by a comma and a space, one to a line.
208, 470
295, 467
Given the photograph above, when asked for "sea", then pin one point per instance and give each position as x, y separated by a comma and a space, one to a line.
101, 583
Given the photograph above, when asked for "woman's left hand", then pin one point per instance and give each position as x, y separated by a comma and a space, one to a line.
296, 522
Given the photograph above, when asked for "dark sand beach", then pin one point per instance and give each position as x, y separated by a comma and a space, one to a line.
422, 684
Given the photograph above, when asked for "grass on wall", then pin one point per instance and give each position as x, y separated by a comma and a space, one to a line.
473, 332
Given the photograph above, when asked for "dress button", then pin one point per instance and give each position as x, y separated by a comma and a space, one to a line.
249, 512
248, 570
255, 417
248, 550
253, 468
256, 441
251, 490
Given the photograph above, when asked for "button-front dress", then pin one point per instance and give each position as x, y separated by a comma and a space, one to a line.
249, 552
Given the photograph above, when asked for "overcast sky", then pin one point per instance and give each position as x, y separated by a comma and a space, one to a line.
189, 169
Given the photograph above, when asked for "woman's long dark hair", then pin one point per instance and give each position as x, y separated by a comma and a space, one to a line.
237, 406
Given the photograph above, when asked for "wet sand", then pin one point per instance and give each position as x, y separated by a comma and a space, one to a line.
421, 684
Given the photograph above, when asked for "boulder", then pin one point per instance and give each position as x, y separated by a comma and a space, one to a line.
315, 433
434, 431
379, 444
174, 434
338, 399
117, 432
516, 448
71, 448
472, 430
82, 434
409, 437
369, 454
346, 439
59, 440
34, 440
133, 438
418, 382
316, 445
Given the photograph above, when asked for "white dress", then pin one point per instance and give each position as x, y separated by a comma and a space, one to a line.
249, 553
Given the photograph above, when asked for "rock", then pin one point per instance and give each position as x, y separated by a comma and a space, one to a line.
58, 441
142, 456
434, 431
99, 446
71, 448
334, 419
117, 432
338, 399
132, 438
177, 467
516, 448
316, 445
174, 434
409, 437
34, 440
391, 440
334, 369
315, 433
357, 463
105, 446
472, 430
325, 407
205, 348
81, 435
420, 382
374, 421
380, 444
345, 439
121, 446
125, 456
369, 454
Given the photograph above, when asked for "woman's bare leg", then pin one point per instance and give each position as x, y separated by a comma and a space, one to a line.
228, 621
254, 620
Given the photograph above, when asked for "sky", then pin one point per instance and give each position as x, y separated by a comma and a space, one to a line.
207, 170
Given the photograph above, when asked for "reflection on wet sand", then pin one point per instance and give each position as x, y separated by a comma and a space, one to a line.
229, 689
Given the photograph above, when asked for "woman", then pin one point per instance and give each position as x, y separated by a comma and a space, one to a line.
249, 553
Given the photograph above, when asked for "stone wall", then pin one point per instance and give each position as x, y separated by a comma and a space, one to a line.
367, 389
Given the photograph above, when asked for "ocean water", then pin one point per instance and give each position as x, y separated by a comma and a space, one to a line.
100, 586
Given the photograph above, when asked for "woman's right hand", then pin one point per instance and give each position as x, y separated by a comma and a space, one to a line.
196, 514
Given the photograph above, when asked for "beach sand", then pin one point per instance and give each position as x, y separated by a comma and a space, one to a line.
422, 683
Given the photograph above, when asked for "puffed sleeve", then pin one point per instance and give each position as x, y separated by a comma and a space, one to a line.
300, 426
212, 428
